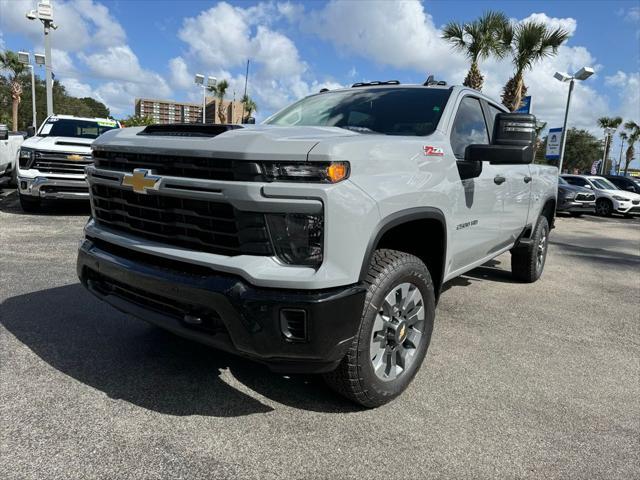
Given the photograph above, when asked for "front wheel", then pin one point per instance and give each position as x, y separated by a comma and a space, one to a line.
527, 260
394, 334
604, 208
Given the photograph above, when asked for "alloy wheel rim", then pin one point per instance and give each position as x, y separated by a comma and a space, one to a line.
542, 250
397, 331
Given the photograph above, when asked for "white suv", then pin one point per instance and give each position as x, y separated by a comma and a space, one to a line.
51, 164
609, 198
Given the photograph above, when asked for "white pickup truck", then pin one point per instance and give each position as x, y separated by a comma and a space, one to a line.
9, 145
318, 241
51, 164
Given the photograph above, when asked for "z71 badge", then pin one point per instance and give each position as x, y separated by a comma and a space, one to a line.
430, 151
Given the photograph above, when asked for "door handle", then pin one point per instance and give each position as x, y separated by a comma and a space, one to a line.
498, 179
527, 179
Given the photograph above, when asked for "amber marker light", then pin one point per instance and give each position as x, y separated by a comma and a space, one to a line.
337, 172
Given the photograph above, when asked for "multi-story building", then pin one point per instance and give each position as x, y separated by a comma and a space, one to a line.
168, 111
232, 110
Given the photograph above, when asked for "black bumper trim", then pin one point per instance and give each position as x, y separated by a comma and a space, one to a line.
241, 318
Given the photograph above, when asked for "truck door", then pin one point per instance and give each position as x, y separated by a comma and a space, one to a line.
478, 202
517, 189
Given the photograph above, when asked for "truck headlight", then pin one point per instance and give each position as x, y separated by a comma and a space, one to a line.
297, 237
26, 157
313, 172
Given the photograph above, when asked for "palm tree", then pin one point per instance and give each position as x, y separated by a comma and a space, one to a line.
249, 106
219, 90
529, 42
633, 130
610, 125
9, 62
478, 40
623, 137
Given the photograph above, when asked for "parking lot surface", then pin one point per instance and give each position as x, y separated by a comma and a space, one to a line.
521, 381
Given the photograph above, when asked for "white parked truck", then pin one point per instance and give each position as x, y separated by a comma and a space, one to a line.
318, 241
51, 164
9, 146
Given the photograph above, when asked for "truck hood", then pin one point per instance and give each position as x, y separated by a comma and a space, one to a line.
60, 144
254, 142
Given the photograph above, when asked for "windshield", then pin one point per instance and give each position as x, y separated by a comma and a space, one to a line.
389, 111
603, 184
71, 127
562, 181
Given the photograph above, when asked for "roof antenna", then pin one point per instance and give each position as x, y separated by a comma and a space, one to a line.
430, 81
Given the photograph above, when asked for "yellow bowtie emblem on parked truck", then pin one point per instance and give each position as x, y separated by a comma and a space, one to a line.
141, 180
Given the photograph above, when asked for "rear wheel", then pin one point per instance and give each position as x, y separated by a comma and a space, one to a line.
394, 334
29, 204
604, 208
527, 260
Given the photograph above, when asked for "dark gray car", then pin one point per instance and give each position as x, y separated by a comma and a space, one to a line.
575, 200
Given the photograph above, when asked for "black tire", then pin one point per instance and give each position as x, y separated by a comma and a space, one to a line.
29, 205
527, 260
604, 207
355, 377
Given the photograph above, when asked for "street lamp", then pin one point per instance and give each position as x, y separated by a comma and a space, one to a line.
582, 74
23, 57
211, 82
44, 13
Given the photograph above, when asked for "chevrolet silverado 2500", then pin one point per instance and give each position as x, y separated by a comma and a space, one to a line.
51, 164
318, 241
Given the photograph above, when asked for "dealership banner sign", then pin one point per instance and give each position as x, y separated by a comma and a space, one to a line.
553, 143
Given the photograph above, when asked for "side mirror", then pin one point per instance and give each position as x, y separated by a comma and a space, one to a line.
31, 131
588, 186
514, 137
251, 121
630, 188
4, 132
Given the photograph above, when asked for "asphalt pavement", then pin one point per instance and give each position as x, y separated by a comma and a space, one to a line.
520, 381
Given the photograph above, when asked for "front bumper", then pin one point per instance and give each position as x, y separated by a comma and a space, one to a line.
576, 207
224, 311
54, 188
627, 208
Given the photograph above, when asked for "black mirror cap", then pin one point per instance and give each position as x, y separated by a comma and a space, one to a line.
31, 131
514, 129
500, 154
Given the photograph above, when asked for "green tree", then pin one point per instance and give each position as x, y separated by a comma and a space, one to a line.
529, 42
220, 90
633, 132
610, 125
581, 150
478, 40
12, 67
137, 121
249, 106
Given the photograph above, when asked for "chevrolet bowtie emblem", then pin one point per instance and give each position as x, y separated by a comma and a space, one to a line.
141, 180
75, 158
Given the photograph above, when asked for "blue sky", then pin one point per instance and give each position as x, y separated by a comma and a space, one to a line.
121, 49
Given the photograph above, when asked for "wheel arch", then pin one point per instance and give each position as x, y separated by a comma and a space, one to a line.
392, 232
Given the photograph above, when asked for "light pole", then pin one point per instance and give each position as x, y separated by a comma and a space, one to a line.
44, 13
582, 74
608, 131
211, 82
23, 57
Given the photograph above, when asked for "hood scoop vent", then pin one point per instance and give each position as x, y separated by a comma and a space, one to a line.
75, 144
187, 130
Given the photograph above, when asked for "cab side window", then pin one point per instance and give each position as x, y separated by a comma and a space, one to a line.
469, 126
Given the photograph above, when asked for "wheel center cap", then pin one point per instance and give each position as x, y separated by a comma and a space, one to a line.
399, 333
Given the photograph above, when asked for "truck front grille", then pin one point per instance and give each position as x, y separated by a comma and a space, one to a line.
55, 162
585, 197
180, 166
214, 227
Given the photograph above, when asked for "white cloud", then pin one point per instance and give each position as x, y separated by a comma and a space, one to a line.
567, 24
180, 76
628, 89
398, 34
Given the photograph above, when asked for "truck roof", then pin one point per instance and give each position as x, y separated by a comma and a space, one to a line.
55, 115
